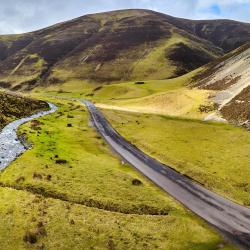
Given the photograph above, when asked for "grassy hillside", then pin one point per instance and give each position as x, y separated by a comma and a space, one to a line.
115, 46
213, 154
168, 97
226, 34
58, 196
70, 191
192, 95
180, 102
13, 107
28, 217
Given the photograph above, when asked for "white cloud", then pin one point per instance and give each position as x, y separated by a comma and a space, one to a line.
229, 9
25, 15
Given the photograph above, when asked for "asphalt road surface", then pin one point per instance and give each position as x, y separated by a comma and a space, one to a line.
229, 218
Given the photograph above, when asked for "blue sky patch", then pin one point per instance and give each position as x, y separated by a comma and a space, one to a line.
215, 9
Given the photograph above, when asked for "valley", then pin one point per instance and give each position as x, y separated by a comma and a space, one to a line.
91, 174
163, 83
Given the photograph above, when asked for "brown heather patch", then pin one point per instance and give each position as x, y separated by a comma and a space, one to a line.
238, 110
223, 83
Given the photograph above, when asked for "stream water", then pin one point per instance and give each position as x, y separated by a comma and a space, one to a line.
10, 145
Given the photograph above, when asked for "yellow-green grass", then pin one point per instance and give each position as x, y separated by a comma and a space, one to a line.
215, 155
55, 224
117, 92
130, 90
183, 102
16, 80
110, 93
168, 97
26, 70
9, 39
156, 65
73, 88
90, 176
64, 197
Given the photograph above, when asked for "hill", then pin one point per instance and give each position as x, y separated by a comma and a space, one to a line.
115, 46
229, 76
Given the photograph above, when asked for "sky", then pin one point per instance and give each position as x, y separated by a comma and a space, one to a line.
18, 16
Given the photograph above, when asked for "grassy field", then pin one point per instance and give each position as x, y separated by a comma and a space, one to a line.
55, 224
130, 90
167, 97
70, 192
215, 155
71, 154
179, 102
115, 92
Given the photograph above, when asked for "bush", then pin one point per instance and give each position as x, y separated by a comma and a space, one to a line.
136, 182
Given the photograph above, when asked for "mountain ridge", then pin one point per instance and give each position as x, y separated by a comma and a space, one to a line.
113, 46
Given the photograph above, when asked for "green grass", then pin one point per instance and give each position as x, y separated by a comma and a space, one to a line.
130, 90
216, 155
65, 198
58, 225
155, 64
14, 107
183, 102
166, 97
88, 163
110, 93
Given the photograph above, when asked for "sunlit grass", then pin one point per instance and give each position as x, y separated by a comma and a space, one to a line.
50, 194
216, 155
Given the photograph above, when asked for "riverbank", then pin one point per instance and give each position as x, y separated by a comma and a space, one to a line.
10, 145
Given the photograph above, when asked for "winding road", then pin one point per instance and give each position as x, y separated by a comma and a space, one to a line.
231, 219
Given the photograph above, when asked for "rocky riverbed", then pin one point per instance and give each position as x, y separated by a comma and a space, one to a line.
10, 145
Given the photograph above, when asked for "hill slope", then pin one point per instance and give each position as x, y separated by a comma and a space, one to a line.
230, 77
114, 46
13, 107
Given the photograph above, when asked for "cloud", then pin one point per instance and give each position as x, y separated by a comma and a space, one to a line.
26, 15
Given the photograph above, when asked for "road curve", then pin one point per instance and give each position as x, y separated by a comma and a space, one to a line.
229, 218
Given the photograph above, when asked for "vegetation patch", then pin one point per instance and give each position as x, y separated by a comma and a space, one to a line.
215, 155
238, 110
14, 107
187, 58
86, 165
31, 221
35, 190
